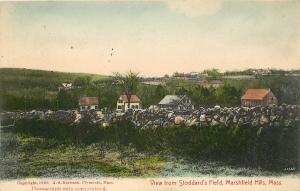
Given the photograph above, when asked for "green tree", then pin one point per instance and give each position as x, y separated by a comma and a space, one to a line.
228, 95
213, 74
160, 91
82, 81
108, 95
181, 91
66, 100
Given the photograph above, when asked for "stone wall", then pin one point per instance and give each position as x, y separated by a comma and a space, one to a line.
277, 116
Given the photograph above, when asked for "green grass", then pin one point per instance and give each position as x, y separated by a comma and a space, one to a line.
36, 148
38, 155
36, 89
15, 78
150, 160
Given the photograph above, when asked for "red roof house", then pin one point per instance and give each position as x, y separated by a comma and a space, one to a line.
88, 103
258, 97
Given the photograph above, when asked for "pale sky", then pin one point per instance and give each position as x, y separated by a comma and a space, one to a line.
150, 37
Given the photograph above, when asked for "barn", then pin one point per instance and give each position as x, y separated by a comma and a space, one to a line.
258, 98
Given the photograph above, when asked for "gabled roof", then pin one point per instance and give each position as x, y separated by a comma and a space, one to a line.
174, 100
133, 98
170, 99
88, 100
256, 94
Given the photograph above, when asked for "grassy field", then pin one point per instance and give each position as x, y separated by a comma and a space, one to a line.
34, 89
16, 79
36, 148
30, 156
91, 159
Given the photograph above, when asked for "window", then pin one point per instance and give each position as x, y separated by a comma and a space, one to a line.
88, 107
119, 107
120, 101
132, 106
137, 106
96, 107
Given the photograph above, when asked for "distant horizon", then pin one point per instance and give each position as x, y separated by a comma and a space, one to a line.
152, 38
169, 74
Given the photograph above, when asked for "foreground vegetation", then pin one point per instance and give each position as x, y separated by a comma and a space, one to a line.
46, 148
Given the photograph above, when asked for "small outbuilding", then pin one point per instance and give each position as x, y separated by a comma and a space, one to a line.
258, 97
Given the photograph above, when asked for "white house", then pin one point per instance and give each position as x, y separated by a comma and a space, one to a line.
122, 103
88, 103
65, 86
176, 102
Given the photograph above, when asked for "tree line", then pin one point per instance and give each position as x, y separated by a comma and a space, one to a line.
285, 88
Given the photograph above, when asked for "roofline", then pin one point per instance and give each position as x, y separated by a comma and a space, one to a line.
132, 101
88, 104
253, 98
268, 89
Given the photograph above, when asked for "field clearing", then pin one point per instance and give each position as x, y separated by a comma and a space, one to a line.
25, 155
24, 78
63, 161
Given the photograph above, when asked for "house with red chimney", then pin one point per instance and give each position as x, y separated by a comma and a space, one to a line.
258, 98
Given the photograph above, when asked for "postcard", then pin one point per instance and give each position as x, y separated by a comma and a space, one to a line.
117, 95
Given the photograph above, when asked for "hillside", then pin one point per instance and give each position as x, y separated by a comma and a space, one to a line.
16, 78
22, 87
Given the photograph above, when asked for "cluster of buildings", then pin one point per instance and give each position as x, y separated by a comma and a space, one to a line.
189, 76
251, 98
261, 72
